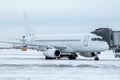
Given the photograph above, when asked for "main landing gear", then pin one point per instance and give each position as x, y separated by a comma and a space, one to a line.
49, 58
71, 56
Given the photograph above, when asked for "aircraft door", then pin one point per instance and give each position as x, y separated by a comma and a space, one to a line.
86, 40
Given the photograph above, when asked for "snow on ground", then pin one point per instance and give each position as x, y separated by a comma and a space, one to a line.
31, 65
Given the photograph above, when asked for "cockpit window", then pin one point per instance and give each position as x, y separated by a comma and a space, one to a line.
97, 39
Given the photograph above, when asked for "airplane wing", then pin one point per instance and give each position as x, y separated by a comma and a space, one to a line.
36, 46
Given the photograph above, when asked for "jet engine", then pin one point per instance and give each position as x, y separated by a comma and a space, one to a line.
88, 54
52, 52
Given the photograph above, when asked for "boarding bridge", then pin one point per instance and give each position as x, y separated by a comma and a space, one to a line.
112, 38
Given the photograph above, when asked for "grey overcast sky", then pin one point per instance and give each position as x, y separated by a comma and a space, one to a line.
58, 16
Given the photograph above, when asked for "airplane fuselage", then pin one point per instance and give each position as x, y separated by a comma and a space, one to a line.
73, 42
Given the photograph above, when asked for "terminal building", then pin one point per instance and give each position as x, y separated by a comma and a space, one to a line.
112, 38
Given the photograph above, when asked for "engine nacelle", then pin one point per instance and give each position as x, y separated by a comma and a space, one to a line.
88, 54
52, 52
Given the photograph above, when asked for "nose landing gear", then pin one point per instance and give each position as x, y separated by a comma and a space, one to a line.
96, 56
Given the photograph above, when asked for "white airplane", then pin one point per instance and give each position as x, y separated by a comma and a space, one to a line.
64, 45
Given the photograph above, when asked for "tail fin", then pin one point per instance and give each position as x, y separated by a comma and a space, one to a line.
29, 30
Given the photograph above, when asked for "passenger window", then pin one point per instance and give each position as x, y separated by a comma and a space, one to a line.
93, 39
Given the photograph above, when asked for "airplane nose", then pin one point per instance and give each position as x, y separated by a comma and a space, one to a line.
105, 46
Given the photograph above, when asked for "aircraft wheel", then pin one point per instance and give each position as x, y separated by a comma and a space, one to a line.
72, 57
49, 58
96, 59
